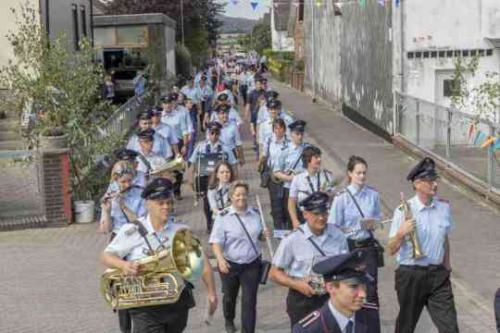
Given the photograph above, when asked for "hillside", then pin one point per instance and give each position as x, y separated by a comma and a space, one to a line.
236, 25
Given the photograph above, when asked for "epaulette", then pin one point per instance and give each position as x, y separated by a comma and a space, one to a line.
371, 306
255, 209
371, 188
309, 319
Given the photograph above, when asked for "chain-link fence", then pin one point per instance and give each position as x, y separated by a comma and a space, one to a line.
455, 136
21, 195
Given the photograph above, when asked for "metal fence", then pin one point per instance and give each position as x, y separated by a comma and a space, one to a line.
21, 194
123, 118
448, 134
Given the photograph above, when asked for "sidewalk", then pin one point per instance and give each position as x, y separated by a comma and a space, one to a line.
474, 240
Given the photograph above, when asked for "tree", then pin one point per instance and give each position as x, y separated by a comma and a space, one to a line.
259, 39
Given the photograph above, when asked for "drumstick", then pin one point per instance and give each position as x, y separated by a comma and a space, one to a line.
264, 227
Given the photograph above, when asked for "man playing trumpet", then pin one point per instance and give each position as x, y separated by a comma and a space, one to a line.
423, 254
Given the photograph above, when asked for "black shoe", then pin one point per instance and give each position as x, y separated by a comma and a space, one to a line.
230, 328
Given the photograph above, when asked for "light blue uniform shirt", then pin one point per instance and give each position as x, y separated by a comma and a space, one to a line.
230, 135
130, 245
132, 200
176, 120
167, 132
229, 234
266, 128
341, 319
263, 114
290, 159
193, 93
233, 116
187, 117
304, 184
160, 145
206, 147
296, 254
206, 93
218, 198
345, 214
433, 223
273, 148
152, 158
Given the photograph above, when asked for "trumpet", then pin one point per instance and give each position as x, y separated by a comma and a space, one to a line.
412, 236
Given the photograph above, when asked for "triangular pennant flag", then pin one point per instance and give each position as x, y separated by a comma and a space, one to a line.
381, 2
480, 138
496, 144
254, 5
397, 3
362, 3
234, 2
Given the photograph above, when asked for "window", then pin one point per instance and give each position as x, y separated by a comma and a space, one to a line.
450, 88
76, 33
83, 11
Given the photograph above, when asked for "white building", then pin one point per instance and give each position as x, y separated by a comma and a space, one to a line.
280, 11
429, 35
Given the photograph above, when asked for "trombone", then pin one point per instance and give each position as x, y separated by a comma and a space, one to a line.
412, 236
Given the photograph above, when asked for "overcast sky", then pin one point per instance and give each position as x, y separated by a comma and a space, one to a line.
244, 9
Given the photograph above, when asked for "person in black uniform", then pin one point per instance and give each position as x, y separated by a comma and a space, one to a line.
345, 280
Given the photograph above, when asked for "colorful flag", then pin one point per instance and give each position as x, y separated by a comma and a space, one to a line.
488, 141
381, 2
496, 144
480, 138
397, 3
362, 3
254, 4
234, 2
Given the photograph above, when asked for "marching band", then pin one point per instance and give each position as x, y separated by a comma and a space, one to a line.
327, 255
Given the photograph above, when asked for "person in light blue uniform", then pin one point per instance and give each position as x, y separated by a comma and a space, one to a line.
160, 145
205, 157
192, 91
289, 163
222, 101
273, 149
312, 242
121, 203
113, 217
230, 134
129, 156
147, 159
423, 279
266, 128
345, 280
314, 178
356, 211
235, 241
166, 131
181, 108
263, 113
130, 245
207, 95
177, 121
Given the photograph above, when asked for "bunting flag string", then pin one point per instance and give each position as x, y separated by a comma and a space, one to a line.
481, 139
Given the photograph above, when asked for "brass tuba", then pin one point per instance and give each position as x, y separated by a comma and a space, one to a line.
412, 236
167, 168
161, 277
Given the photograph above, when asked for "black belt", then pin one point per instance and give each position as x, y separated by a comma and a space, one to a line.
359, 243
422, 268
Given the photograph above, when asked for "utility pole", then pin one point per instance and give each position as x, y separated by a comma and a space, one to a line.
182, 22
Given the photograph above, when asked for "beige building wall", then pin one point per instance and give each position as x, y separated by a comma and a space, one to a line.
7, 20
